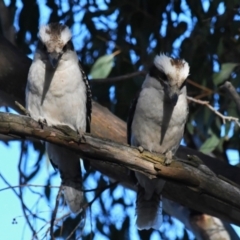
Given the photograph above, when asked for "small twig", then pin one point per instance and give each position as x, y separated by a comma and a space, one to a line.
55, 223
23, 109
227, 86
100, 192
116, 53
40, 230
76, 227
210, 18
224, 118
205, 89
24, 207
21, 178
54, 213
55, 220
91, 227
49, 186
117, 79
27, 185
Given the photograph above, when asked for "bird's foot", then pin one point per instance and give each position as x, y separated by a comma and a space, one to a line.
28, 113
42, 122
168, 158
81, 136
140, 149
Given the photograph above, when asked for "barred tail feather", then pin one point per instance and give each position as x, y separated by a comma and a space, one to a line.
73, 196
149, 212
68, 163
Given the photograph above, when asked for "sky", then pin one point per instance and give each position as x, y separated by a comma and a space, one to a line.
10, 204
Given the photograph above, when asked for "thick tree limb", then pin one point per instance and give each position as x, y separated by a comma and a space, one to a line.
204, 227
191, 183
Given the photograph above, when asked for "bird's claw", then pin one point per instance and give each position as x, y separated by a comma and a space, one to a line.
81, 136
140, 149
168, 158
28, 114
42, 122
167, 161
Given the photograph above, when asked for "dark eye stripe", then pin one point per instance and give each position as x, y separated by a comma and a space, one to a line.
68, 46
183, 84
41, 46
158, 74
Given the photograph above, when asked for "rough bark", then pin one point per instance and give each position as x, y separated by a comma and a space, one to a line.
190, 183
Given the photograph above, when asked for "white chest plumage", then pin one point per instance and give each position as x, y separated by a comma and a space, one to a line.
157, 126
57, 91
57, 96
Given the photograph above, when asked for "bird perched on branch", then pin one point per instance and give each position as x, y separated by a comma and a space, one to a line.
58, 93
156, 123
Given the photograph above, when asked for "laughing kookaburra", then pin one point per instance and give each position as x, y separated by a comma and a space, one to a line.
156, 123
58, 93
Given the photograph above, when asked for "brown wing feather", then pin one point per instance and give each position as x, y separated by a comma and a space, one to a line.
130, 117
89, 99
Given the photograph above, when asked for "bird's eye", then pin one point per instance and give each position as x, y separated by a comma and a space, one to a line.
183, 84
65, 48
68, 46
158, 74
163, 77
44, 47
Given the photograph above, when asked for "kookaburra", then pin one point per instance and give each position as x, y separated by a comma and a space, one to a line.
156, 123
58, 92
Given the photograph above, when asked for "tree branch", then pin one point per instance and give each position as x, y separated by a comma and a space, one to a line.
224, 118
119, 78
189, 182
229, 88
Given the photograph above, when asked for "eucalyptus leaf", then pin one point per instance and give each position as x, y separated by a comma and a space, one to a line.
226, 70
210, 144
102, 67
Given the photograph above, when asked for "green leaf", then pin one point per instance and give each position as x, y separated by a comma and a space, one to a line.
103, 66
190, 128
210, 144
226, 70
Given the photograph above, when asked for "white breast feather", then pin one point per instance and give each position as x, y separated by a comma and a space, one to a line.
65, 101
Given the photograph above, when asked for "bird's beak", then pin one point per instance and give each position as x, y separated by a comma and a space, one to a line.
54, 58
173, 94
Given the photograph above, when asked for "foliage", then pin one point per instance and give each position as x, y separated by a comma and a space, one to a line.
204, 33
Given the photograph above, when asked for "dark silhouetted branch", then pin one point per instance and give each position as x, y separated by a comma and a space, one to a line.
190, 182
119, 78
